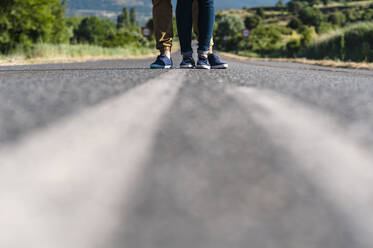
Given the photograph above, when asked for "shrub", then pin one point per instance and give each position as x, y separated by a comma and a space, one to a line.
279, 4
353, 43
252, 22
314, 2
352, 15
368, 15
295, 6
307, 36
325, 27
94, 30
326, 2
230, 26
295, 23
337, 18
310, 16
123, 39
284, 30
264, 37
293, 47
260, 12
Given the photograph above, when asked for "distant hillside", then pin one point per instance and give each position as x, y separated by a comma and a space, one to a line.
111, 8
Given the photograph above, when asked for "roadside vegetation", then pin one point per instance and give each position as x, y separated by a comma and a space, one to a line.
49, 53
39, 29
313, 29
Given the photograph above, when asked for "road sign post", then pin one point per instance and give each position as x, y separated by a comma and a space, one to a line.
225, 39
246, 35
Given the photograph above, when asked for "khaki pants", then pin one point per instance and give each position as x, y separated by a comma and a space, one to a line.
163, 29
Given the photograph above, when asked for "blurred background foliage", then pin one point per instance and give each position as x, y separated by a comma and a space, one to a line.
26, 23
316, 29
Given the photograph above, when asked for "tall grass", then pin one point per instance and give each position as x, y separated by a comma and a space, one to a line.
66, 51
351, 43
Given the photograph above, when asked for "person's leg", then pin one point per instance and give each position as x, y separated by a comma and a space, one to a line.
162, 18
163, 29
206, 20
213, 59
195, 24
184, 26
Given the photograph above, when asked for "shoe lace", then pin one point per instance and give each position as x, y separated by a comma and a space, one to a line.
203, 59
188, 59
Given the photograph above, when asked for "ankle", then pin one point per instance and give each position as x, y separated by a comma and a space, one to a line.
166, 52
202, 55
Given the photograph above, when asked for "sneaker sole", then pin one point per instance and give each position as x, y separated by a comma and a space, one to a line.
206, 67
160, 66
224, 66
186, 66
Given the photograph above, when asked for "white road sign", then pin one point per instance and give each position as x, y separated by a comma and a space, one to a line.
146, 32
246, 33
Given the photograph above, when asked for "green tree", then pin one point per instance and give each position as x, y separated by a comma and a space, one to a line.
124, 38
279, 4
260, 12
368, 15
307, 36
314, 2
264, 37
295, 6
231, 27
73, 23
326, 2
337, 18
227, 25
150, 24
133, 20
352, 14
310, 16
295, 23
25, 22
293, 47
94, 30
60, 32
252, 22
123, 19
325, 27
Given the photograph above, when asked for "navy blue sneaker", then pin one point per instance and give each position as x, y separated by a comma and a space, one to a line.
203, 63
188, 62
216, 63
162, 62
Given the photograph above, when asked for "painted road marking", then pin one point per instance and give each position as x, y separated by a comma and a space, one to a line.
66, 186
336, 163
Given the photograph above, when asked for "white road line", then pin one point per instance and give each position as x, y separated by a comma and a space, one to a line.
341, 168
66, 187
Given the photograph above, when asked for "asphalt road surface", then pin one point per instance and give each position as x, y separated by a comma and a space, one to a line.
114, 155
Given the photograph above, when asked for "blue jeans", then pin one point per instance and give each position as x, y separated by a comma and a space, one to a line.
184, 20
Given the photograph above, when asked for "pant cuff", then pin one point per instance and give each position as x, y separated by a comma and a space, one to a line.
203, 52
187, 53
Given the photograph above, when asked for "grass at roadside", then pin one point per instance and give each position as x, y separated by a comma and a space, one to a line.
353, 42
59, 53
330, 63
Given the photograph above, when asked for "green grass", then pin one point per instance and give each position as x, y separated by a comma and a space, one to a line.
351, 43
66, 51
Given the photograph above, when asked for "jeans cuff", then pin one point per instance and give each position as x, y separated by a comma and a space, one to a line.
187, 53
203, 52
